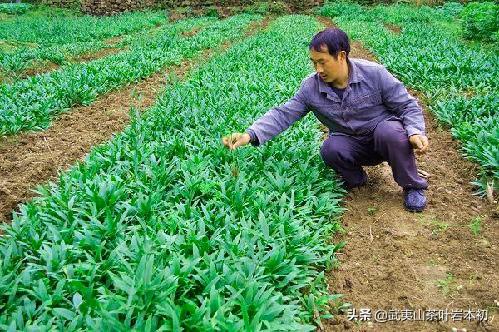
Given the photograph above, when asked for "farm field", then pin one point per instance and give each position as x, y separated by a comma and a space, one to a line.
42, 40
122, 210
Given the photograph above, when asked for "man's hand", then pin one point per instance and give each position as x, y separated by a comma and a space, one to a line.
419, 143
236, 140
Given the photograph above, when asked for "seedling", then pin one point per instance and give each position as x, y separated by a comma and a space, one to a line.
446, 285
438, 226
476, 226
372, 210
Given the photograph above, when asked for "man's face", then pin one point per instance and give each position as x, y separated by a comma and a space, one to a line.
326, 65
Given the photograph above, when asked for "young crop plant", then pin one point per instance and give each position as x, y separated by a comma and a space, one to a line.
153, 231
30, 104
476, 226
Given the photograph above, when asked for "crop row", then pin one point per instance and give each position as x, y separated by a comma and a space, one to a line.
163, 228
60, 29
60, 37
14, 8
25, 57
31, 103
460, 80
15, 63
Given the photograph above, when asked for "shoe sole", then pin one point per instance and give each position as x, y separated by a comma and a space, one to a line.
412, 209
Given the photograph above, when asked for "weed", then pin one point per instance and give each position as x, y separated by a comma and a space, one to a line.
476, 226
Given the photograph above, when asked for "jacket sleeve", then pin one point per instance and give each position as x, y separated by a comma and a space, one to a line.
399, 101
280, 118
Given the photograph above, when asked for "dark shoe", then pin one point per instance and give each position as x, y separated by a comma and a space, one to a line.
414, 200
349, 187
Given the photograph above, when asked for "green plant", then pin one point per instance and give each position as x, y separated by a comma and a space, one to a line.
31, 103
340, 8
14, 8
476, 226
212, 11
452, 9
372, 210
447, 285
267, 7
65, 35
480, 20
438, 226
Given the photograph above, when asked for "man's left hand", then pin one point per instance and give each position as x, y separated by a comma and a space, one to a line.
419, 143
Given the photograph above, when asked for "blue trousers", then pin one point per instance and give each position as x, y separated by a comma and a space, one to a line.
389, 142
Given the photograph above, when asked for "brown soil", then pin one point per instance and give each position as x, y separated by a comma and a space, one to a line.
114, 40
191, 33
30, 159
393, 28
46, 67
397, 260
102, 53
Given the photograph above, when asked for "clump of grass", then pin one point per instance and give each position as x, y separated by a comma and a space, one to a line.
372, 210
437, 226
476, 226
447, 285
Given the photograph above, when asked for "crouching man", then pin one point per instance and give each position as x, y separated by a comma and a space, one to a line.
370, 115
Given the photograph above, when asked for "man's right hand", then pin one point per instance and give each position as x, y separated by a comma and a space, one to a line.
235, 140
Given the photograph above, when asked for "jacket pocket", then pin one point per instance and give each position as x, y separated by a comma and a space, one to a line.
366, 101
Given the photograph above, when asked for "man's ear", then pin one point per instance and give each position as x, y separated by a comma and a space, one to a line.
342, 55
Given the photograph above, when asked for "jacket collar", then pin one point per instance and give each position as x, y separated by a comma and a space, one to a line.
355, 74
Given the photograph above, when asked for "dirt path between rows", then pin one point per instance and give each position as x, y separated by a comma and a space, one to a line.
30, 159
398, 260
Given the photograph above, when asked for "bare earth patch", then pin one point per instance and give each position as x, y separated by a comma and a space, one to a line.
393, 28
30, 159
98, 54
398, 260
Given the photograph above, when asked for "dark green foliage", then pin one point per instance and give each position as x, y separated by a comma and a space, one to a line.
481, 21
340, 8
452, 9
14, 8
211, 11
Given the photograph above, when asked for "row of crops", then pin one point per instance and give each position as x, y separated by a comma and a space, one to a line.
14, 8
162, 228
31, 103
459, 79
29, 40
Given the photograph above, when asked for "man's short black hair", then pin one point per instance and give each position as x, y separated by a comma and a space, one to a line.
335, 39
